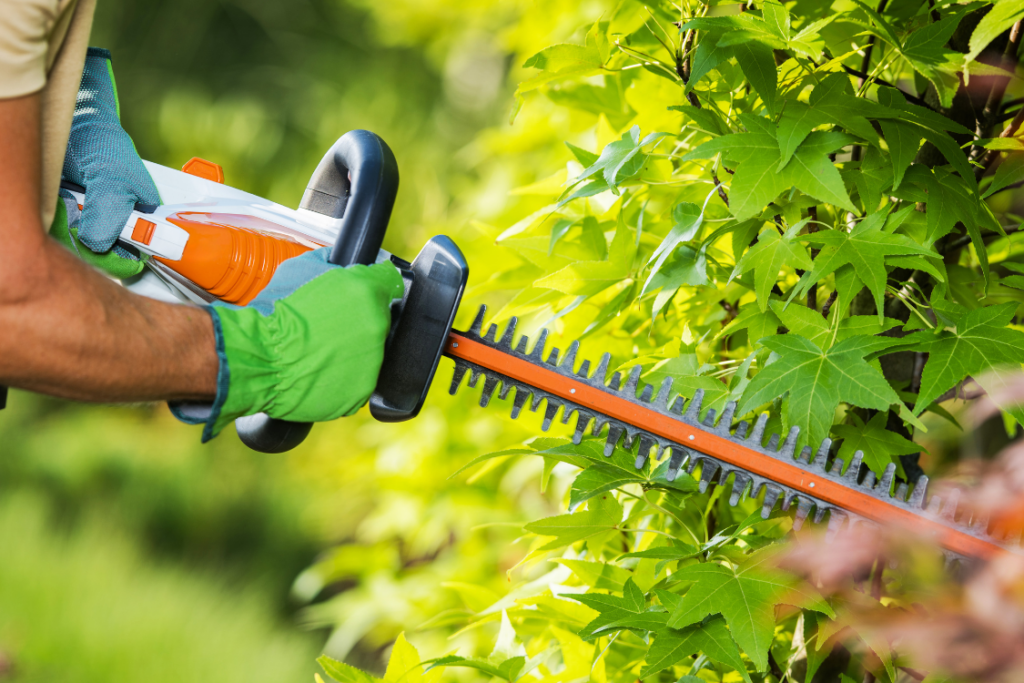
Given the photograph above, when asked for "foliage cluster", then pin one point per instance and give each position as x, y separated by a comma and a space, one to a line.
803, 208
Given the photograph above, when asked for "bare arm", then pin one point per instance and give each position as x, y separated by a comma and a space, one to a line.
65, 329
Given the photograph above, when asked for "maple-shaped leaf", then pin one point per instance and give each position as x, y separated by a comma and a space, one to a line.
710, 638
980, 341
757, 157
817, 380
746, 596
865, 248
767, 257
878, 444
404, 666
615, 612
620, 159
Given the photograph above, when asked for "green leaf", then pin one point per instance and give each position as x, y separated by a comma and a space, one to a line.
776, 19
569, 529
981, 341
758, 64
615, 158
687, 220
564, 56
1009, 172
598, 479
343, 673
795, 124
507, 670
746, 596
598, 575
865, 248
710, 638
805, 322
817, 381
879, 445
767, 257
884, 29
560, 61
1003, 15
904, 140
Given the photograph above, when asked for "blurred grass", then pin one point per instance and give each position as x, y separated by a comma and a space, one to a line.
88, 607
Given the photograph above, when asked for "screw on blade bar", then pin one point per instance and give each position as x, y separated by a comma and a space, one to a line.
670, 425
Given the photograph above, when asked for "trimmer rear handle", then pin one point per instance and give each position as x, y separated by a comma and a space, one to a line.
355, 184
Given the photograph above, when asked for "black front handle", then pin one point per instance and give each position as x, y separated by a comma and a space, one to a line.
356, 184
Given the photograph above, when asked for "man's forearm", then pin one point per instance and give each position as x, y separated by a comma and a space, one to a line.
73, 333
65, 329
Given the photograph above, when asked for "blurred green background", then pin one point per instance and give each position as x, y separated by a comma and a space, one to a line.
130, 551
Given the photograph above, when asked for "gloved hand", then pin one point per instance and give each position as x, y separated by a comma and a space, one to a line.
308, 348
102, 158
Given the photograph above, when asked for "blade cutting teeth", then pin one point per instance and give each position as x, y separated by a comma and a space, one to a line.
519, 401
789, 447
887, 478
569, 359
478, 322
549, 414
460, 373
693, 409
803, 510
708, 470
602, 368
676, 462
490, 384
916, 499
538, 346
771, 496
725, 421
646, 444
757, 436
739, 486
664, 391
614, 434
661, 401
631, 383
581, 426
510, 330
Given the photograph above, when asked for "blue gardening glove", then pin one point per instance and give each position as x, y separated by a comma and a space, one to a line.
102, 159
307, 349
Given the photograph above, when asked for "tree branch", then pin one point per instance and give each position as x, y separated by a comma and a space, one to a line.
828, 304
684, 69
865, 66
993, 154
910, 98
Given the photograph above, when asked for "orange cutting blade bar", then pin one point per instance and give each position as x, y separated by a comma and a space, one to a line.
459, 346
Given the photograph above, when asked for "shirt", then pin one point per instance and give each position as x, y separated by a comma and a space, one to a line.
42, 49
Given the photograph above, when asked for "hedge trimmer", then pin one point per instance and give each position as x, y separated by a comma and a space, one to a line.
210, 241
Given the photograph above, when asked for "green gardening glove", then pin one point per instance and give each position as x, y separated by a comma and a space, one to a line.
307, 349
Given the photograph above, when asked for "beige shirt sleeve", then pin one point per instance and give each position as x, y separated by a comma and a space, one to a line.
26, 30
42, 48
